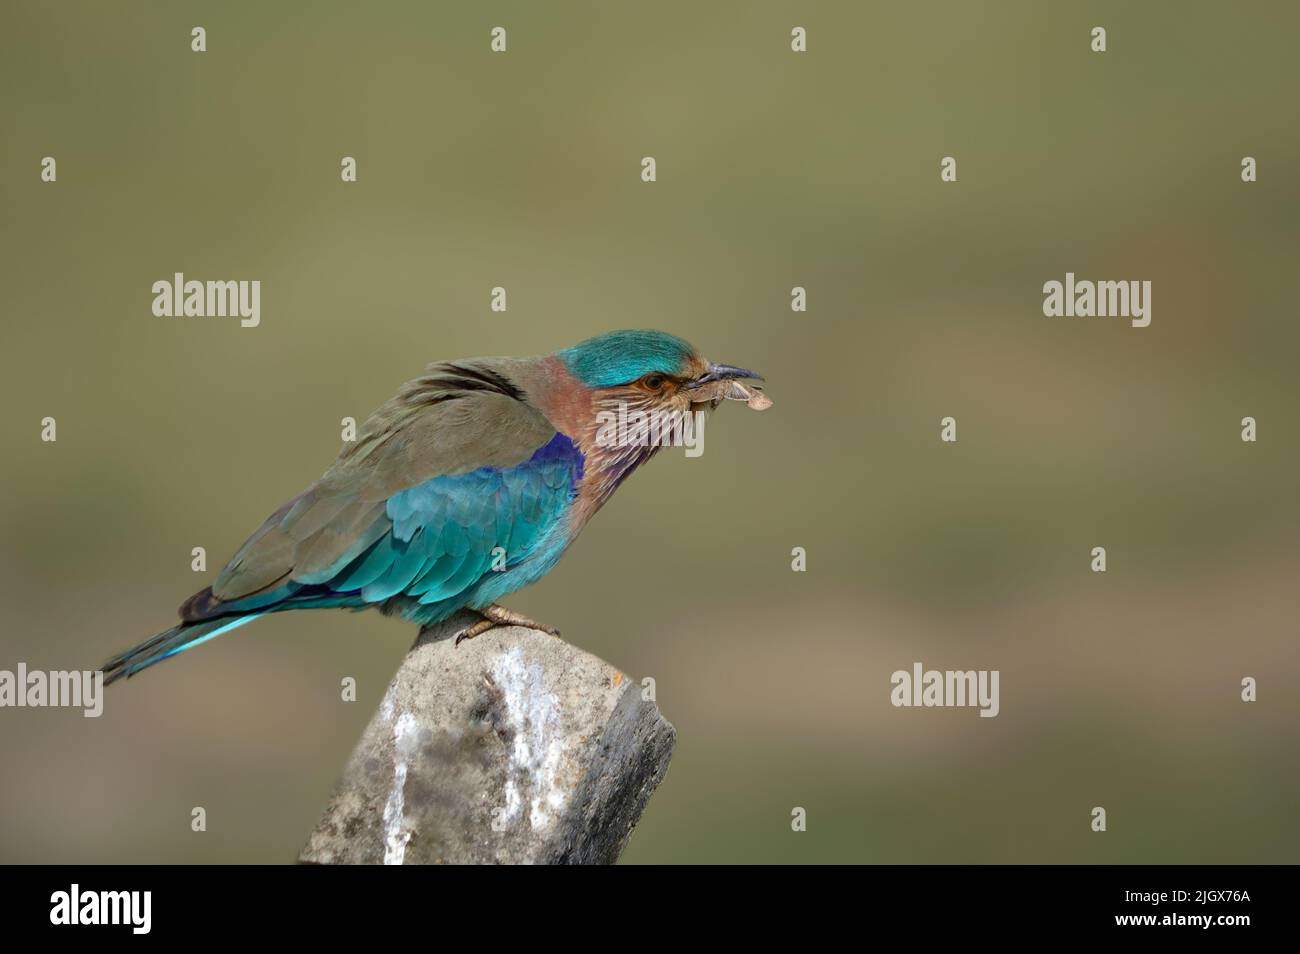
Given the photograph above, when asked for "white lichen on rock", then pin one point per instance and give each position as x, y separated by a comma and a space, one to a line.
539, 743
396, 833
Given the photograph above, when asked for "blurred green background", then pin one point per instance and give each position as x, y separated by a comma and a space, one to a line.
775, 170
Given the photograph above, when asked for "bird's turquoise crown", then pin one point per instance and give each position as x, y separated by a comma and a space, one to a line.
623, 356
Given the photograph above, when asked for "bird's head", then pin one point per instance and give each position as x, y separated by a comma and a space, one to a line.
655, 370
647, 390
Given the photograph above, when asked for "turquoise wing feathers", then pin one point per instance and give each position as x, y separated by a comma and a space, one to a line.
449, 534
406, 522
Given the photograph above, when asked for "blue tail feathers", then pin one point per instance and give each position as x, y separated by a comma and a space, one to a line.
168, 643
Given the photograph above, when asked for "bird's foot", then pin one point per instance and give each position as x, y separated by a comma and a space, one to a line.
497, 615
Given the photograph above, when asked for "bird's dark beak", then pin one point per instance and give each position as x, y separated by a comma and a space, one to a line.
723, 372
721, 382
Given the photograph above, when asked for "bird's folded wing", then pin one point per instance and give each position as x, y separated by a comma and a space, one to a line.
439, 477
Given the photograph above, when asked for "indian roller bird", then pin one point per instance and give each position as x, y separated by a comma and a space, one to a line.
467, 485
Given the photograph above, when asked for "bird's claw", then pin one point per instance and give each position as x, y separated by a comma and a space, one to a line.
495, 615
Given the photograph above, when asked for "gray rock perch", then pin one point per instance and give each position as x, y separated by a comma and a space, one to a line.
513, 747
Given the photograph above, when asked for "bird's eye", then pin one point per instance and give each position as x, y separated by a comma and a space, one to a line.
654, 381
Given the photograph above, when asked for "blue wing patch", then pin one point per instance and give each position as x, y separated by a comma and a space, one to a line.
442, 538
